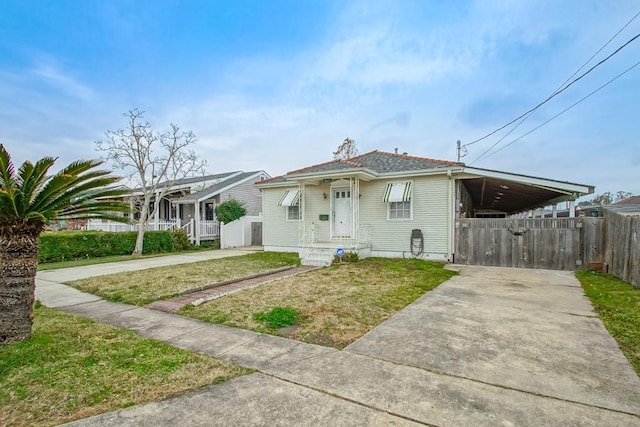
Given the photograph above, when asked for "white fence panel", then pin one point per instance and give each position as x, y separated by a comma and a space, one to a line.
237, 233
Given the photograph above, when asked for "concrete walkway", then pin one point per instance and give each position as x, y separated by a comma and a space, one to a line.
489, 347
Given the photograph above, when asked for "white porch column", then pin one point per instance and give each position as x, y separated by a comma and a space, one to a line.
196, 225
355, 197
572, 208
554, 211
156, 214
301, 221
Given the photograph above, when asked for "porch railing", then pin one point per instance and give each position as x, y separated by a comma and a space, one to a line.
364, 234
209, 229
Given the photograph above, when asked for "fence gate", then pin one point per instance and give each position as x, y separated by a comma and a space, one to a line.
550, 243
256, 234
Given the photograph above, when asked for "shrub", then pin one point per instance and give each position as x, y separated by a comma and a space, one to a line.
347, 257
66, 246
230, 211
278, 317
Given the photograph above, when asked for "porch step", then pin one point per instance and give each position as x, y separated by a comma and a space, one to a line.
319, 257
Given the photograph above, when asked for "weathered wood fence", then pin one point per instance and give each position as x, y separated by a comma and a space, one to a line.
622, 246
551, 243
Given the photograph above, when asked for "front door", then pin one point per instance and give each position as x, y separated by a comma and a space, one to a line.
341, 212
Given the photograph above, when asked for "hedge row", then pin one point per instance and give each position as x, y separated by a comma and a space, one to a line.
65, 246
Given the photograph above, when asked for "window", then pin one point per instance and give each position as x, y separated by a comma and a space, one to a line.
400, 210
293, 213
398, 196
291, 201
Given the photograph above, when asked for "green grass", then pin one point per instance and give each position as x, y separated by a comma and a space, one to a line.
145, 286
73, 368
617, 303
107, 259
336, 304
278, 317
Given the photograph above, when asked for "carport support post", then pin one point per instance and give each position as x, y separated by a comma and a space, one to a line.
572, 209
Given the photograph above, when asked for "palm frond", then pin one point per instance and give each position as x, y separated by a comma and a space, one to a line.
7, 172
77, 191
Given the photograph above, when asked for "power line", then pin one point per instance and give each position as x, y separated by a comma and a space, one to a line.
565, 110
524, 119
557, 92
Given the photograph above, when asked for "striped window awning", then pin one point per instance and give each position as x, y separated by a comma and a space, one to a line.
290, 198
398, 192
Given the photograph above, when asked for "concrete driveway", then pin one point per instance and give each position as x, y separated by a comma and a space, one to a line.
492, 346
527, 330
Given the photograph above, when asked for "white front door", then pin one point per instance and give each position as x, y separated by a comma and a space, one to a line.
341, 212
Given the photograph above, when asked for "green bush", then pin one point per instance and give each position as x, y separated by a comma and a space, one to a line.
279, 317
347, 257
230, 211
65, 246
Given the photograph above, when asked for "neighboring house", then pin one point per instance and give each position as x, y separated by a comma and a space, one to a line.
628, 206
190, 203
392, 205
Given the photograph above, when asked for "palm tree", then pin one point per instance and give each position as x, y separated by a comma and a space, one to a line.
29, 199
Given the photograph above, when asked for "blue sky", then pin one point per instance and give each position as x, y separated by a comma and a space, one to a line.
277, 85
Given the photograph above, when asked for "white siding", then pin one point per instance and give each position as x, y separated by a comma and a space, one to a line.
430, 214
276, 230
316, 205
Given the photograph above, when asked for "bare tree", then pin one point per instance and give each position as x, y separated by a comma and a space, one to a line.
152, 160
346, 150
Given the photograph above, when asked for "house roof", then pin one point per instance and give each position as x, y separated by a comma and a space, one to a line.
375, 162
379, 162
218, 188
633, 200
486, 187
195, 179
628, 206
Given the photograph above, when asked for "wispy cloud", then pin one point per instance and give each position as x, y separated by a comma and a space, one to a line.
62, 82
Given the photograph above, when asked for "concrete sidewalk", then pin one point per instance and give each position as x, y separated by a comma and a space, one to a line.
76, 273
457, 356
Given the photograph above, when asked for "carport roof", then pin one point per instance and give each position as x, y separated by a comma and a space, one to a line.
511, 193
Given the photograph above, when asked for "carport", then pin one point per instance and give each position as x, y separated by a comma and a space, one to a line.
484, 193
502, 222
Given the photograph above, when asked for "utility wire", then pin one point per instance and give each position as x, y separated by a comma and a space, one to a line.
566, 109
524, 119
556, 93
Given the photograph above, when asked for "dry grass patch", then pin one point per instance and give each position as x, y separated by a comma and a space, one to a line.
73, 368
336, 304
145, 286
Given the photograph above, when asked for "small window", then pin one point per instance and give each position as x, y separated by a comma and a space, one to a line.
293, 213
400, 210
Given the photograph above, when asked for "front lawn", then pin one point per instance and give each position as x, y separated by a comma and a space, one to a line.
145, 286
617, 303
335, 305
73, 368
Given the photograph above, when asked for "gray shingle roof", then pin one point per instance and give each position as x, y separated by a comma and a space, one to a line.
198, 179
379, 162
214, 189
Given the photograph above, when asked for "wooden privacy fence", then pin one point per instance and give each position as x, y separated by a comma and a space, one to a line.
551, 243
622, 246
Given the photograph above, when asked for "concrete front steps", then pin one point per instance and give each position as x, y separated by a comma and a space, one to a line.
322, 254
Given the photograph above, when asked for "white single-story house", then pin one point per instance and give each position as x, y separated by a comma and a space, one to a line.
190, 203
392, 205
